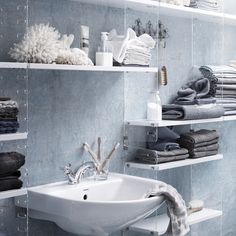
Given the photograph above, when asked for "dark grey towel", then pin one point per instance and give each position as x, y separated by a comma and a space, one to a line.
15, 174
155, 157
164, 146
185, 143
10, 184
200, 136
10, 162
191, 112
207, 148
203, 154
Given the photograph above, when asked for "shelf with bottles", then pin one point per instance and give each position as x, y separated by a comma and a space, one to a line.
157, 225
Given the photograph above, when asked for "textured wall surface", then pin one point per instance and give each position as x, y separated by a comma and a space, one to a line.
69, 108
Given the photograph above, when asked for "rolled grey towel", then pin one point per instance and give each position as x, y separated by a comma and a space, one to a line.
191, 112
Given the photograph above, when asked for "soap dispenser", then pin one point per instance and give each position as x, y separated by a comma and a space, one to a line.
104, 55
154, 107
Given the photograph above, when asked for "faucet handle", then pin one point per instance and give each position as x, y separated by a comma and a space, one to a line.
67, 169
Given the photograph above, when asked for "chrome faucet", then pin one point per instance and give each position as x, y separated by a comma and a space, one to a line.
75, 176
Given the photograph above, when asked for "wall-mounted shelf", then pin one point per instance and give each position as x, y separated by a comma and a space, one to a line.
158, 225
34, 66
11, 137
164, 123
12, 193
156, 7
173, 164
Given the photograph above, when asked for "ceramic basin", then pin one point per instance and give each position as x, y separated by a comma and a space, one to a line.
94, 207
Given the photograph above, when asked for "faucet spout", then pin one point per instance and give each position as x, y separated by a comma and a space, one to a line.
75, 176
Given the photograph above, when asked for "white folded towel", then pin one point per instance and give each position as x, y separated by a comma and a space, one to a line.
130, 43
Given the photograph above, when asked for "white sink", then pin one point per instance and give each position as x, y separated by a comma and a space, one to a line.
94, 207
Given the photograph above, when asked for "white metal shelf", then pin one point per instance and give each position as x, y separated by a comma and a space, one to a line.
12, 193
158, 225
156, 7
164, 123
59, 67
173, 164
14, 136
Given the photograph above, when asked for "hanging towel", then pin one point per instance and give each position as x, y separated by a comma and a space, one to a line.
176, 207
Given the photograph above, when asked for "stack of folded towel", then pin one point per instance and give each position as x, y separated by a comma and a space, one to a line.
8, 116
209, 5
130, 49
223, 83
196, 99
10, 163
200, 143
166, 149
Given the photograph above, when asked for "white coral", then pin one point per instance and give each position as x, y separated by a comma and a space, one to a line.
44, 44
39, 45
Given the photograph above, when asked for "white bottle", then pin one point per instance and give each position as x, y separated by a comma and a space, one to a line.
154, 108
104, 56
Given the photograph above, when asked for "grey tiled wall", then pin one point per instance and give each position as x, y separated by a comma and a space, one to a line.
68, 108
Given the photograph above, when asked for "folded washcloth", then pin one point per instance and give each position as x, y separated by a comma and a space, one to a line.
155, 157
10, 183
176, 206
191, 112
10, 162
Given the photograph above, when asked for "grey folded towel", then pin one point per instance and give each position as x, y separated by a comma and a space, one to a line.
230, 113
199, 101
177, 210
226, 80
203, 154
200, 136
191, 112
224, 92
164, 146
156, 157
206, 148
185, 143
226, 86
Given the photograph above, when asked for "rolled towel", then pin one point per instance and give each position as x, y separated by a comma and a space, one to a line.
10, 162
191, 112
10, 184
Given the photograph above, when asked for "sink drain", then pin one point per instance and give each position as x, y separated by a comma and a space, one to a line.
85, 197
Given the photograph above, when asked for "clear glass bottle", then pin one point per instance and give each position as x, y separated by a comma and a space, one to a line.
104, 55
154, 108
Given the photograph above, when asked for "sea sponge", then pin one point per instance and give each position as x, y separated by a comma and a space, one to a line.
44, 44
39, 45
